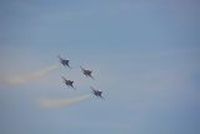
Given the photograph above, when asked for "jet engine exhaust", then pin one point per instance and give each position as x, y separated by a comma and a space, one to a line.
58, 103
26, 78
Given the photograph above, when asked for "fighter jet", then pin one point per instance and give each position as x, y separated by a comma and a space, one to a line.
87, 73
69, 83
64, 62
96, 92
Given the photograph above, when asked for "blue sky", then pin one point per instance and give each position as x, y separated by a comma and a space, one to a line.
144, 55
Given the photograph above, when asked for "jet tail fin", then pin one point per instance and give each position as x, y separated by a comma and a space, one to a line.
69, 66
63, 78
92, 77
102, 97
81, 68
59, 57
92, 88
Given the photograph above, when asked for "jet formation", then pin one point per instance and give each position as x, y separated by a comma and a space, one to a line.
97, 93
64, 62
85, 72
68, 83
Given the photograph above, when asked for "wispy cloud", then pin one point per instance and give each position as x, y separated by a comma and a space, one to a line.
57, 103
26, 78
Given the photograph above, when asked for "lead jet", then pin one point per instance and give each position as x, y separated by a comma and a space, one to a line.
86, 72
96, 92
64, 62
69, 83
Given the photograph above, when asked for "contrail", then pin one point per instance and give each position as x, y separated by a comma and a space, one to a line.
23, 79
47, 103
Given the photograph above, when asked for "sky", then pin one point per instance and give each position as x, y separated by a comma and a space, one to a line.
144, 55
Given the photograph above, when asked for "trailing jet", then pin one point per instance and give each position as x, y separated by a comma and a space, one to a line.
86, 72
64, 62
96, 92
69, 83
